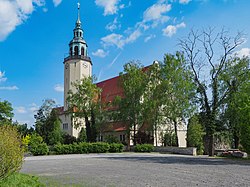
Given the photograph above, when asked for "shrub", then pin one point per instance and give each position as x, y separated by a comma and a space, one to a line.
169, 139
115, 148
37, 146
82, 136
195, 134
144, 148
11, 152
39, 149
26, 142
111, 139
99, 147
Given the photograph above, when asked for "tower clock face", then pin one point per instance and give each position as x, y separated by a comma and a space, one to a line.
85, 65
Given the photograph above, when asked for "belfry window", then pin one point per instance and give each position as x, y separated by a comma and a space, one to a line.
82, 51
76, 51
76, 34
70, 51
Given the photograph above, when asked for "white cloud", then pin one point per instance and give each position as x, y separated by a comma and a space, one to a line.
149, 38
170, 30
113, 25
14, 13
184, 1
119, 40
113, 40
33, 108
156, 13
57, 2
100, 53
59, 88
2, 77
110, 6
244, 52
9, 88
21, 110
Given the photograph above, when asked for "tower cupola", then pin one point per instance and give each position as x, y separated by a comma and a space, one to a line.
78, 46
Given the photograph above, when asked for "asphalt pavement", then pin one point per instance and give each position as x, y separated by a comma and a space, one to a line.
139, 169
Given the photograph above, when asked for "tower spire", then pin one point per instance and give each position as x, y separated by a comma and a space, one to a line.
78, 17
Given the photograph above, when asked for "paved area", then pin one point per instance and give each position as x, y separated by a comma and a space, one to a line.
131, 169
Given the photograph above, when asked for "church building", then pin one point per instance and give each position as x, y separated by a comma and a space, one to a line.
78, 65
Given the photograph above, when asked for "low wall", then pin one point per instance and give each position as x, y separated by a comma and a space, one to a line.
177, 150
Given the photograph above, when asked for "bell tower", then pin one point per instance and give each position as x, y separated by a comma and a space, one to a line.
78, 64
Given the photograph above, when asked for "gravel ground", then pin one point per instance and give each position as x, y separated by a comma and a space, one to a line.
131, 169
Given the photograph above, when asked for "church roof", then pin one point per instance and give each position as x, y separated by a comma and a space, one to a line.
110, 89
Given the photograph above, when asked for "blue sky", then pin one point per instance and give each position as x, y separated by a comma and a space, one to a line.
34, 37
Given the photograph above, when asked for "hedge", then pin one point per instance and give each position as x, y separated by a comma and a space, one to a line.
144, 148
83, 148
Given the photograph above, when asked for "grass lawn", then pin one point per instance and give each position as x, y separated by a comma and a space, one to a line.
21, 180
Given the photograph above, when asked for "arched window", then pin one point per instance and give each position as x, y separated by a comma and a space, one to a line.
82, 51
76, 51
77, 34
80, 34
71, 52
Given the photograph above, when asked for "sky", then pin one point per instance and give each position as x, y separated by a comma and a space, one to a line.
34, 38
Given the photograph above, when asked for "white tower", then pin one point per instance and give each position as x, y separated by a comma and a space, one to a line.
78, 64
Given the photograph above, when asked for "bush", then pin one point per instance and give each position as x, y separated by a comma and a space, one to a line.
195, 134
39, 149
99, 147
37, 146
169, 139
115, 148
111, 139
11, 152
144, 148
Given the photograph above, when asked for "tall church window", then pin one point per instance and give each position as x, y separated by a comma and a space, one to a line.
76, 52
71, 52
76, 34
82, 51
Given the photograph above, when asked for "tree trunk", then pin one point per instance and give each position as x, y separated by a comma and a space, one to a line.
176, 135
88, 129
211, 145
236, 140
134, 139
93, 127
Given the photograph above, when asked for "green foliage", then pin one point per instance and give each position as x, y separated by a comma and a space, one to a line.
21, 180
195, 134
26, 142
99, 147
82, 136
169, 139
5, 112
68, 139
39, 149
144, 148
84, 147
11, 152
111, 139
115, 148
85, 103
37, 146
133, 81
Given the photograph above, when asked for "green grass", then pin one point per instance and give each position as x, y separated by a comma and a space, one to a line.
21, 180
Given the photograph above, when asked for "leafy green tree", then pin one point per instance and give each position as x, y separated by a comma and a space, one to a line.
235, 77
85, 104
6, 112
195, 134
82, 135
130, 105
207, 54
178, 90
47, 123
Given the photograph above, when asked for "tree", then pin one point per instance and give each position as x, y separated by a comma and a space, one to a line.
6, 112
177, 89
47, 123
204, 56
85, 104
130, 104
195, 133
236, 77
